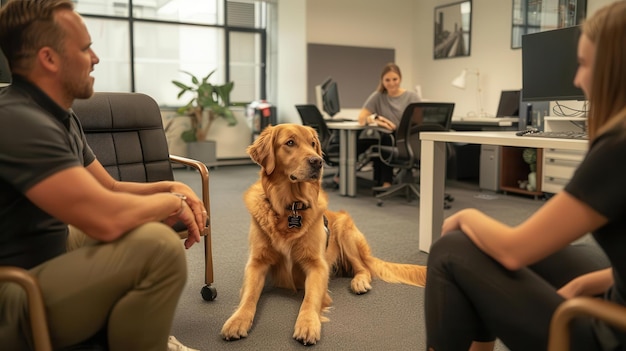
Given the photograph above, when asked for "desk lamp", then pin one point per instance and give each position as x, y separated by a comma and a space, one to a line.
460, 82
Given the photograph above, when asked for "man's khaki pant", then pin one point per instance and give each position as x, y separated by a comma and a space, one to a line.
130, 287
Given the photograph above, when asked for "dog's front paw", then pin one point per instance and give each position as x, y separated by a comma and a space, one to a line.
236, 327
360, 284
308, 330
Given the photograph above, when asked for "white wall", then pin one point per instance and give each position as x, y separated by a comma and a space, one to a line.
500, 66
367, 23
407, 26
290, 59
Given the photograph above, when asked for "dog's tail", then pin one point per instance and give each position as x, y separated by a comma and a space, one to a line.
397, 272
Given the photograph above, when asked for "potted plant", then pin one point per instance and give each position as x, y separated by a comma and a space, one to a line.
214, 99
208, 103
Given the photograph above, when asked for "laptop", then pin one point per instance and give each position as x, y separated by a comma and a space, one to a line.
509, 104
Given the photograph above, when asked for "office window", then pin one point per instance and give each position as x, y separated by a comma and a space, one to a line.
187, 11
144, 44
246, 66
111, 42
116, 8
162, 51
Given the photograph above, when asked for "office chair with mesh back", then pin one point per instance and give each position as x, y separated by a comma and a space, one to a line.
312, 117
126, 133
404, 153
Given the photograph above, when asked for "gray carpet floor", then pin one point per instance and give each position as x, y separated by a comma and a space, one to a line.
389, 317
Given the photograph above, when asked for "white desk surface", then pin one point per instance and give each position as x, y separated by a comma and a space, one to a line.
344, 125
506, 138
432, 177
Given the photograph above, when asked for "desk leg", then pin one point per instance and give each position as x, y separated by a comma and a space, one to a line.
343, 162
351, 162
432, 184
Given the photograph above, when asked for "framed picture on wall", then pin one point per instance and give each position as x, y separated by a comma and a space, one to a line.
453, 29
532, 16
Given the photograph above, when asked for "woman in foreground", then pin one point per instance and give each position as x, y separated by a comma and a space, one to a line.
478, 285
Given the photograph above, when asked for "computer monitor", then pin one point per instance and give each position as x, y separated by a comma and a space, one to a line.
549, 64
509, 103
5, 74
327, 96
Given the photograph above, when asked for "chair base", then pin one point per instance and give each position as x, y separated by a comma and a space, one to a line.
410, 190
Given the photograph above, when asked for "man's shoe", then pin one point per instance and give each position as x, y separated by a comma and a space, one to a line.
174, 345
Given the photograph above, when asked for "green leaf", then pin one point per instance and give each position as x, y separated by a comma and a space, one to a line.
189, 135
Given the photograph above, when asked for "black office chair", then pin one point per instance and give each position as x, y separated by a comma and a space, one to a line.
126, 133
404, 153
312, 117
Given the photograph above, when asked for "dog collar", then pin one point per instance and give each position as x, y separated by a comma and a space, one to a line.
297, 206
295, 220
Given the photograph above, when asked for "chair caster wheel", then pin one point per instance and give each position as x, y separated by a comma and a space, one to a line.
379, 203
208, 292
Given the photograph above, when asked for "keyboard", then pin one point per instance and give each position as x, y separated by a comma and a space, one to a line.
339, 119
559, 135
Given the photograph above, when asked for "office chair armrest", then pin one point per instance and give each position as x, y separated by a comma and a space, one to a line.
37, 312
386, 149
380, 129
204, 177
609, 312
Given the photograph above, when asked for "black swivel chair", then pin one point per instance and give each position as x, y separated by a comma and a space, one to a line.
312, 117
404, 153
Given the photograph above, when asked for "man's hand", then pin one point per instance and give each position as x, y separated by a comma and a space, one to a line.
195, 204
186, 216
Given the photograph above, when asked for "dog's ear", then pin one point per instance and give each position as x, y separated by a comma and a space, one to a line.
262, 150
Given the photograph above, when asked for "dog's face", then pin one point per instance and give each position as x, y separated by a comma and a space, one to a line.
291, 149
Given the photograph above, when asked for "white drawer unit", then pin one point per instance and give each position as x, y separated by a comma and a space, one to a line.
558, 167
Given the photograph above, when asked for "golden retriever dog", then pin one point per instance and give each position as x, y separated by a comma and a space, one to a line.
295, 241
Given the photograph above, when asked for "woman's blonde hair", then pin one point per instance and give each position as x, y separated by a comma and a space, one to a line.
607, 97
390, 67
28, 25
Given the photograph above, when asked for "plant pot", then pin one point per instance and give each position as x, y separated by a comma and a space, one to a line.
203, 151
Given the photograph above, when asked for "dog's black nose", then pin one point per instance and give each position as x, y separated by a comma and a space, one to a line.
316, 162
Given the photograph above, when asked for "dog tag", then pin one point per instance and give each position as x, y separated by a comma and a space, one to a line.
295, 221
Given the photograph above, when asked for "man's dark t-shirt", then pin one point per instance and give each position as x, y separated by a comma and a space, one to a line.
38, 138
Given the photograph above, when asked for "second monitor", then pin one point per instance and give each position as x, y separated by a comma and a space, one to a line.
327, 96
509, 103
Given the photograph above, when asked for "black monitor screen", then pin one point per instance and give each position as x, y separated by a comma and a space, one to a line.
549, 64
330, 98
5, 74
509, 103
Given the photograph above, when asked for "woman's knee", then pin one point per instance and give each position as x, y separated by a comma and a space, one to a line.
449, 244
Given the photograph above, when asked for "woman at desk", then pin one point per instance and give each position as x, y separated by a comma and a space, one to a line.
384, 109
479, 287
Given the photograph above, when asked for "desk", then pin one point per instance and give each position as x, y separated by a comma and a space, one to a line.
348, 134
484, 122
433, 160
